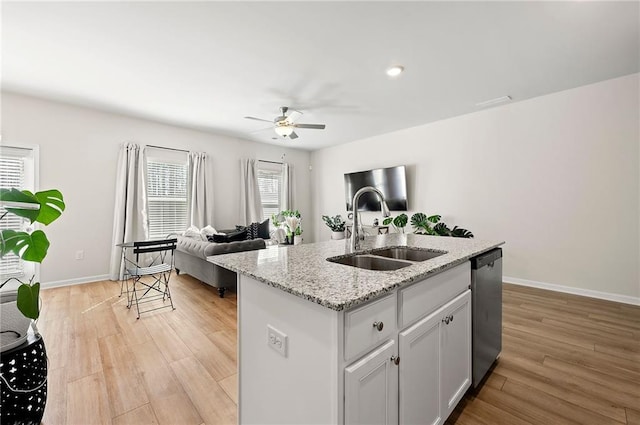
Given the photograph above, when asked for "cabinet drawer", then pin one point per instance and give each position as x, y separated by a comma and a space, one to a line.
422, 298
360, 334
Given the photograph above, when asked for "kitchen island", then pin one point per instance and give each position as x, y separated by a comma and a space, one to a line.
323, 342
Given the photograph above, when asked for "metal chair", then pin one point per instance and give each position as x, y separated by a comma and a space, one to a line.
150, 282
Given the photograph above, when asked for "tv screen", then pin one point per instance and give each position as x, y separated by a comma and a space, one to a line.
392, 182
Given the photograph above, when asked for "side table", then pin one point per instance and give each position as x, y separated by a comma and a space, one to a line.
23, 382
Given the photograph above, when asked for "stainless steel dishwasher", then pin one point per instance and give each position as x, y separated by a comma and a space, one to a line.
486, 304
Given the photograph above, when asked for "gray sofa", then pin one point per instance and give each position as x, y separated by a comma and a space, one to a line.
191, 258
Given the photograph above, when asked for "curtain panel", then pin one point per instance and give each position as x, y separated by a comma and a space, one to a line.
129, 218
250, 203
287, 187
201, 190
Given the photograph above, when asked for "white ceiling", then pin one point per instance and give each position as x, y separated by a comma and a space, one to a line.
206, 65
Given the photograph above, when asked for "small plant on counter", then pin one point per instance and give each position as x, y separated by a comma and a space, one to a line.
335, 223
398, 223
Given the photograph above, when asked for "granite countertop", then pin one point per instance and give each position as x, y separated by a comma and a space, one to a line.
303, 270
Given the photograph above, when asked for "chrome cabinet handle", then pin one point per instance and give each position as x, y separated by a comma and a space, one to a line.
378, 326
395, 360
451, 318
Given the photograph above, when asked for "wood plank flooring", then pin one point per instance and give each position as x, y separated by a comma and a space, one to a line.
565, 360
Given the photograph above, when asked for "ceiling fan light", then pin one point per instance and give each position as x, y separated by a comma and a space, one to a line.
283, 130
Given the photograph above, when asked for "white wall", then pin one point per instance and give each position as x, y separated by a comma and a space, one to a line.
556, 177
78, 153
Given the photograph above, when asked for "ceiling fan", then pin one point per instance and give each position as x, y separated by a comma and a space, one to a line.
285, 125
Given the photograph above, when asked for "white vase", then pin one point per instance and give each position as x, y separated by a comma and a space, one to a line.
297, 239
337, 235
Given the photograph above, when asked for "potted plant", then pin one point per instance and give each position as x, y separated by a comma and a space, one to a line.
291, 225
25, 397
398, 222
433, 226
336, 224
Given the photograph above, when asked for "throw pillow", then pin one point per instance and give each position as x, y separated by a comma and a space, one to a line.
263, 230
193, 232
208, 231
237, 235
252, 231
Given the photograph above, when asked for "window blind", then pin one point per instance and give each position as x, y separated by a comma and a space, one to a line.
166, 198
11, 176
270, 184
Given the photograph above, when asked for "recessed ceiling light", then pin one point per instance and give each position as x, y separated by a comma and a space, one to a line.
495, 101
394, 71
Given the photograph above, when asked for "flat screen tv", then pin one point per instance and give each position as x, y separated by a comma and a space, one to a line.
392, 182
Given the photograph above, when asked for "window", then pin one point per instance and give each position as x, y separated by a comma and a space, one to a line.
270, 184
17, 170
166, 197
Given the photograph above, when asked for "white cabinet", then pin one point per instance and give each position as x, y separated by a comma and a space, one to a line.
435, 367
455, 341
420, 355
371, 388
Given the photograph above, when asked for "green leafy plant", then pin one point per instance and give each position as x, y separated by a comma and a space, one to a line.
335, 223
42, 207
432, 225
398, 222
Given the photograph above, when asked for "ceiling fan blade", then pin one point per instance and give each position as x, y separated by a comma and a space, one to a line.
258, 119
314, 126
294, 115
261, 130
293, 135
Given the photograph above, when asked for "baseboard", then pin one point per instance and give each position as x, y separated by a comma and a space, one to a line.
76, 281
626, 299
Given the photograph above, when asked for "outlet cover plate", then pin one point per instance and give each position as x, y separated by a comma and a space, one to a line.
277, 340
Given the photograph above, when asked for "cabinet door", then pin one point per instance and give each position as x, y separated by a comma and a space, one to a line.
455, 342
419, 349
371, 388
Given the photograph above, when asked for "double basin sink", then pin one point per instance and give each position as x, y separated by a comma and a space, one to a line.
386, 259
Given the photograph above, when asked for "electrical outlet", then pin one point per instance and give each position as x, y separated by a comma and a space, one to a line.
277, 340
80, 255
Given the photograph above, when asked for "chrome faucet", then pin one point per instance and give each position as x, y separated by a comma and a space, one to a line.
356, 235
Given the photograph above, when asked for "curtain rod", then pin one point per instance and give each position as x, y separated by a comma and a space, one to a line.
270, 162
169, 149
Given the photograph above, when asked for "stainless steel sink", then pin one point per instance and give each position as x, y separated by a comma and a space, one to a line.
408, 253
370, 262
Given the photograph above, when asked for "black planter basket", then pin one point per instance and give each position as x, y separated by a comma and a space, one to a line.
23, 380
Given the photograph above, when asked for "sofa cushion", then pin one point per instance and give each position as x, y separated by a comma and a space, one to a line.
203, 249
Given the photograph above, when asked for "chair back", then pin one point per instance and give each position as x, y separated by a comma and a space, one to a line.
160, 246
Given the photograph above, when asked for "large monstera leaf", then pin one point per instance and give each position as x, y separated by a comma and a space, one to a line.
47, 205
29, 247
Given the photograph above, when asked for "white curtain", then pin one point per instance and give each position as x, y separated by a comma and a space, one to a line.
286, 197
129, 218
250, 204
201, 190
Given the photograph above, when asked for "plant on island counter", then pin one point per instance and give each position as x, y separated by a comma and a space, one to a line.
42, 207
335, 223
398, 222
428, 225
290, 219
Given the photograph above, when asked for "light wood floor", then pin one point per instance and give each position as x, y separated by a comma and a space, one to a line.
565, 360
